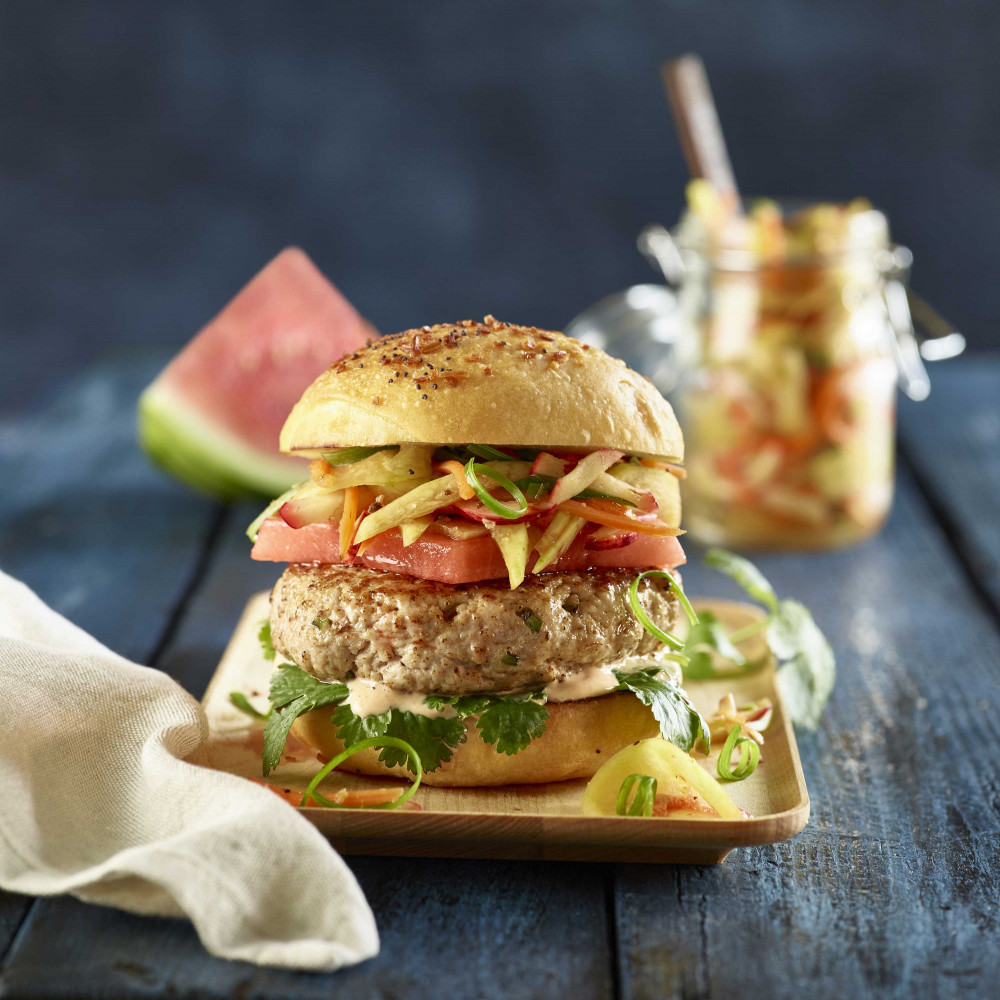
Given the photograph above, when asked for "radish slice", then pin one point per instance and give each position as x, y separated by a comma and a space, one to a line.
642, 500
479, 512
610, 538
549, 465
586, 471
300, 511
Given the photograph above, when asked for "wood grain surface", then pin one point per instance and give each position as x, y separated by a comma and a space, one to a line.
889, 892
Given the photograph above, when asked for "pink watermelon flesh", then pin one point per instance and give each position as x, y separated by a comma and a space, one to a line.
247, 368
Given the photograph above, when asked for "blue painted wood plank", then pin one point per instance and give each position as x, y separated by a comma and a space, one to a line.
449, 929
99, 534
102, 537
891, 889
952, 440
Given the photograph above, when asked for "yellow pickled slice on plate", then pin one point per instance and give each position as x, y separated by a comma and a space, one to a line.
683, 789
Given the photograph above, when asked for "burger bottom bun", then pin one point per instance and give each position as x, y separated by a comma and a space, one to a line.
579, 737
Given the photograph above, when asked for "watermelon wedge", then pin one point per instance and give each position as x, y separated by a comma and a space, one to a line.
213, 415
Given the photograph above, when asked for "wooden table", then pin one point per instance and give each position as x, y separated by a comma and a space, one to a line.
891, 890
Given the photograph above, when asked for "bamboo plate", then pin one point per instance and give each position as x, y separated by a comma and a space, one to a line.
518, 821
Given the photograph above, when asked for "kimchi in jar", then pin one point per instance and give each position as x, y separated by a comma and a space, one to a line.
788, 391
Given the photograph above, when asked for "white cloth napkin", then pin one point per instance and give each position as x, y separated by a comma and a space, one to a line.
99, 798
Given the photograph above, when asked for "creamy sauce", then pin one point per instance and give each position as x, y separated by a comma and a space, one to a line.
374, 698
591, 682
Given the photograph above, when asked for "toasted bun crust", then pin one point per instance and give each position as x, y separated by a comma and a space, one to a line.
483, 383
579, 737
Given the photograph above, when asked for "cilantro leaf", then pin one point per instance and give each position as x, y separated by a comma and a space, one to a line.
508, 722
709, 633
433, 739
743, 572
511, 724
470, 704
807, 668
679, 720
704, 637
264, 638
293, 692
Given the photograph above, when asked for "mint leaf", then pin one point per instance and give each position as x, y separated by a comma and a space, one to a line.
511, 724
679, 720
433, 739
743, 572
264, 638
293, 692
807, 669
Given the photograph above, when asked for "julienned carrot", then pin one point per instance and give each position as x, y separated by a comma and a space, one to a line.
283, 793
832, 404
347, 519
359, 797
465, 491
615, 516
355, 799
675, 470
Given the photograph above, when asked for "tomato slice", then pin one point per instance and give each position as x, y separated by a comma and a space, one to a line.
448, 560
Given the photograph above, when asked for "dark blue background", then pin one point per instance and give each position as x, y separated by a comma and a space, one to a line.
447, 159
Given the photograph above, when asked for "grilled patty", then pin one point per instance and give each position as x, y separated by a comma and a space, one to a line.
422, 636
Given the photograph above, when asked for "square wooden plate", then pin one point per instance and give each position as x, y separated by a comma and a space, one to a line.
519, 821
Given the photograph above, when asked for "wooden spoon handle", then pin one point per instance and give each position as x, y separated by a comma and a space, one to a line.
698, 123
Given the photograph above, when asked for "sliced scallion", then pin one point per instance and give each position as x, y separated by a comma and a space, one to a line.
749, 756
642, 801
239, 700
474, 469
347, 456
531, 620
487, 453
374, 741
646, 622
537, 483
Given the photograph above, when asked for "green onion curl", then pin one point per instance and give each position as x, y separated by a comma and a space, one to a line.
642, 802
474, 469
374, 741
646, 622
749, 756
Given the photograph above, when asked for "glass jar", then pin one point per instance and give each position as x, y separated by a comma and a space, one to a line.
786, 365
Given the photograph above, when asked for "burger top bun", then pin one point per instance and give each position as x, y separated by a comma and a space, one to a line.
483, 383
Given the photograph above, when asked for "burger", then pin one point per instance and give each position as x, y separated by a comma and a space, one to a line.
481, 564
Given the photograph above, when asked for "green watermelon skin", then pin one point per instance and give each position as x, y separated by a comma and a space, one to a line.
212, 416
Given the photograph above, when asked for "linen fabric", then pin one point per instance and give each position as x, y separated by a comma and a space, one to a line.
101, 796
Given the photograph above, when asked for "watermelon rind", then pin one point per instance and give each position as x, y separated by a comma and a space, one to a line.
206, 456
